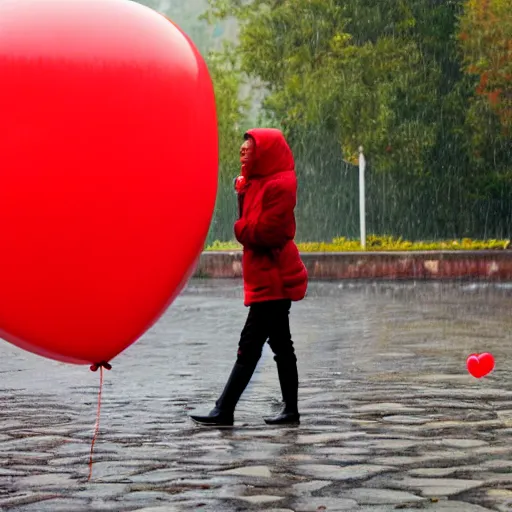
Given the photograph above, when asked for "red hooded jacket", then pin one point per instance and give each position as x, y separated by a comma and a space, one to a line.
272, 267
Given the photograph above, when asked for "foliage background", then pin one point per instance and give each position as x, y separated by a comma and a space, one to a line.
425, 86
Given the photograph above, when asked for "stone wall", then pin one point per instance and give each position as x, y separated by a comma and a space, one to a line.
485, 265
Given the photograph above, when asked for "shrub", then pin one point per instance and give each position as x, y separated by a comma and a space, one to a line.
382, 243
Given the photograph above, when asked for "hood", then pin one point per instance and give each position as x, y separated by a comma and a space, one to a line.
272, 153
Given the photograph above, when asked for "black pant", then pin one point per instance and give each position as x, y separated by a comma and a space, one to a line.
266, 321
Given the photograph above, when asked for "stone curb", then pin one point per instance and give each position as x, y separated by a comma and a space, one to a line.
486, 265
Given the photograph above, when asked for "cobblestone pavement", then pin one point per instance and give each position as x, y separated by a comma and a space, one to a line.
391, 419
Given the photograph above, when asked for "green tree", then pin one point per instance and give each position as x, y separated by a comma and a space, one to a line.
385, 75
351, 66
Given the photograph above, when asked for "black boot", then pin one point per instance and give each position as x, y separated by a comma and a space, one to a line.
216, 418
289, 381
222, 414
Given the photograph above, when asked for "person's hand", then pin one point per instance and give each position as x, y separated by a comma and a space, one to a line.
239, 183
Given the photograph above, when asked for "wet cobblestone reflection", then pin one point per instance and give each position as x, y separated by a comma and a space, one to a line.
391, 420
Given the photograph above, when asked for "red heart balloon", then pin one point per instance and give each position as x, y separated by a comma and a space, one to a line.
480, 365
108, 172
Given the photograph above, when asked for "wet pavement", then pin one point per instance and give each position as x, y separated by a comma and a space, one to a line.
390, 418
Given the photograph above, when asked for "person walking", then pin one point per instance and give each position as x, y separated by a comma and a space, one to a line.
273, 272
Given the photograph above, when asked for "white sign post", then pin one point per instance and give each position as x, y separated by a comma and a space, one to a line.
362, 205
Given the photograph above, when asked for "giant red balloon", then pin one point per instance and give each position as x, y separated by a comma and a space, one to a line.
108, 173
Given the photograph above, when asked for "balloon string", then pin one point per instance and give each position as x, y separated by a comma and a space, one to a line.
98, 411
